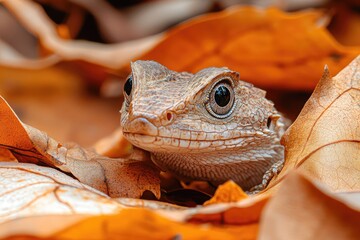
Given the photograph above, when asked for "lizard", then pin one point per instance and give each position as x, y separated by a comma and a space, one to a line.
208, 126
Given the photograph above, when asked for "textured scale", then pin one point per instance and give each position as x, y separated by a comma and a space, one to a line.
166, 115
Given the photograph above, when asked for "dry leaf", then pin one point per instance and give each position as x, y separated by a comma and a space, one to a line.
151, 226
298, 203
269, 48
57, 194
324, 141
42, 196
299, 210
267, 51
227, 192
115, 177
31, 190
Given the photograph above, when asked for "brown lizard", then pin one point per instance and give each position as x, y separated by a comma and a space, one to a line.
205, 126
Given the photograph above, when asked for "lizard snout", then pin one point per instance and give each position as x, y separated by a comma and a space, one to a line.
140, 125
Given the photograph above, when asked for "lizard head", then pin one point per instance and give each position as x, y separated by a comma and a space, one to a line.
210, 118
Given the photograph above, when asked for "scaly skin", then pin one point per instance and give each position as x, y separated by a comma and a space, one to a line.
166, 114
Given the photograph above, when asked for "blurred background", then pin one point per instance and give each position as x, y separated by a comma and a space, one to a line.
61, 60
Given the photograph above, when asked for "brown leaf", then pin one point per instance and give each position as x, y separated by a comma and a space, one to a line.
116, 177
299, 210
324, 141
30, 190
268, 47
227, 192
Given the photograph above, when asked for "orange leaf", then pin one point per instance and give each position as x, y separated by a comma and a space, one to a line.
324, 141
128, 224
152, 226
227, 192
269, 48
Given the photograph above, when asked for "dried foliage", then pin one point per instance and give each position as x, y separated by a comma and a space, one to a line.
244, 215
300, 210
85, 193
324, 141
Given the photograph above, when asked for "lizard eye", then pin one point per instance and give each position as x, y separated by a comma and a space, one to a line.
221, 100
128, 88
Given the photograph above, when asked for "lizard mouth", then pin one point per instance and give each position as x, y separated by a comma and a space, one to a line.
166, 144
142, 133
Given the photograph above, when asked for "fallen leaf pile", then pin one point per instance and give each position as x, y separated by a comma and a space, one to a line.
63, 194
52, 189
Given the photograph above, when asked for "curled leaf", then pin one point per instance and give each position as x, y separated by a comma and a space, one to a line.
324, 141
300, 210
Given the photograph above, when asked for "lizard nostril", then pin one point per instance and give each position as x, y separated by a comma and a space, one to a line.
169, 116
269, 122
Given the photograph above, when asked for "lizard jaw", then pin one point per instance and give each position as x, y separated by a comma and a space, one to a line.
178, 145
170, 144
